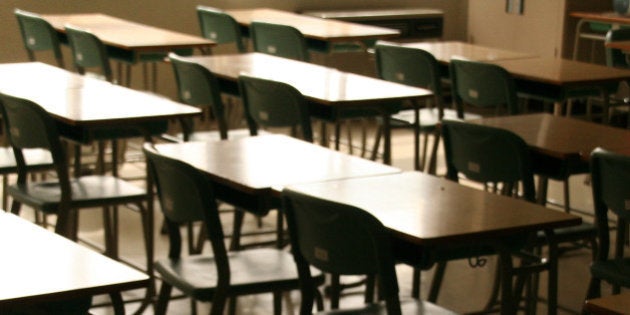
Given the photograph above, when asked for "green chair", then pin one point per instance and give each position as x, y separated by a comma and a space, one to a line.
610, 175
419, 68
88, 52
500, 160
186, 195
198, 86
271, 103
29, 126
344, 240
36, 160
279, 40
38, 35
483, 86
618, 59
220, 27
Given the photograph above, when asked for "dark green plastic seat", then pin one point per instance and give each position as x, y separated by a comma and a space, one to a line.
29, 126
279, 40
88, 52
498, 158
220, 27
419, 68
611, 191
272, 104
483, 86
344, 240
197, 86
186, 195
38, 35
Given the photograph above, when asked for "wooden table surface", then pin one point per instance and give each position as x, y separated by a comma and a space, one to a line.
562, 72
605, 17
609, 305
312, 27
431, 211
427, 213
375, 14
331, 93
82, 101
321, 84
561, 137
38, 265
445, 51
127, 34
262, 165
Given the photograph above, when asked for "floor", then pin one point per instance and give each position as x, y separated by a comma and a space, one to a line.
465, 289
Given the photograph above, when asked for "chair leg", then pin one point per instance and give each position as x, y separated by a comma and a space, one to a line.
335, 291
496, 286
117, 303
436, 283
277, 302
163, 299
432, 168
235, 243
377, 142
415, 283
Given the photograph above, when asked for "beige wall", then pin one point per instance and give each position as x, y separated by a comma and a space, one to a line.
538, 30
544, 29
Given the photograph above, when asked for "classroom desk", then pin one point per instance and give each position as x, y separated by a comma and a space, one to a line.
83, 106
609, 305
427, 213
557, 80
445, 51
585, 18
413, 23
40, 266
622, 44
129, 41
561, 146
250, 172
333, 95
319, 33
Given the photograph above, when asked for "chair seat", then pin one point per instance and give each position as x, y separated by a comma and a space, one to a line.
429, 117
615, 271
87, 191
36, 159
252, 271
407, 307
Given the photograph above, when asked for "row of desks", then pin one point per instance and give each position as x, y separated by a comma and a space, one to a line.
248, 171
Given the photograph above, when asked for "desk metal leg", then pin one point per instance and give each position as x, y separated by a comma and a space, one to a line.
508, 306
552, 291
387, 134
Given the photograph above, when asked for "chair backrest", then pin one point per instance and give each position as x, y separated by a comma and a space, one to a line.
187, 196
38, 35
338, 239
197, 86
279, 40
482, 85
409, 66
610, 181
219, 27
271, 103
88, 51
617, 57
487, 155
29, 126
